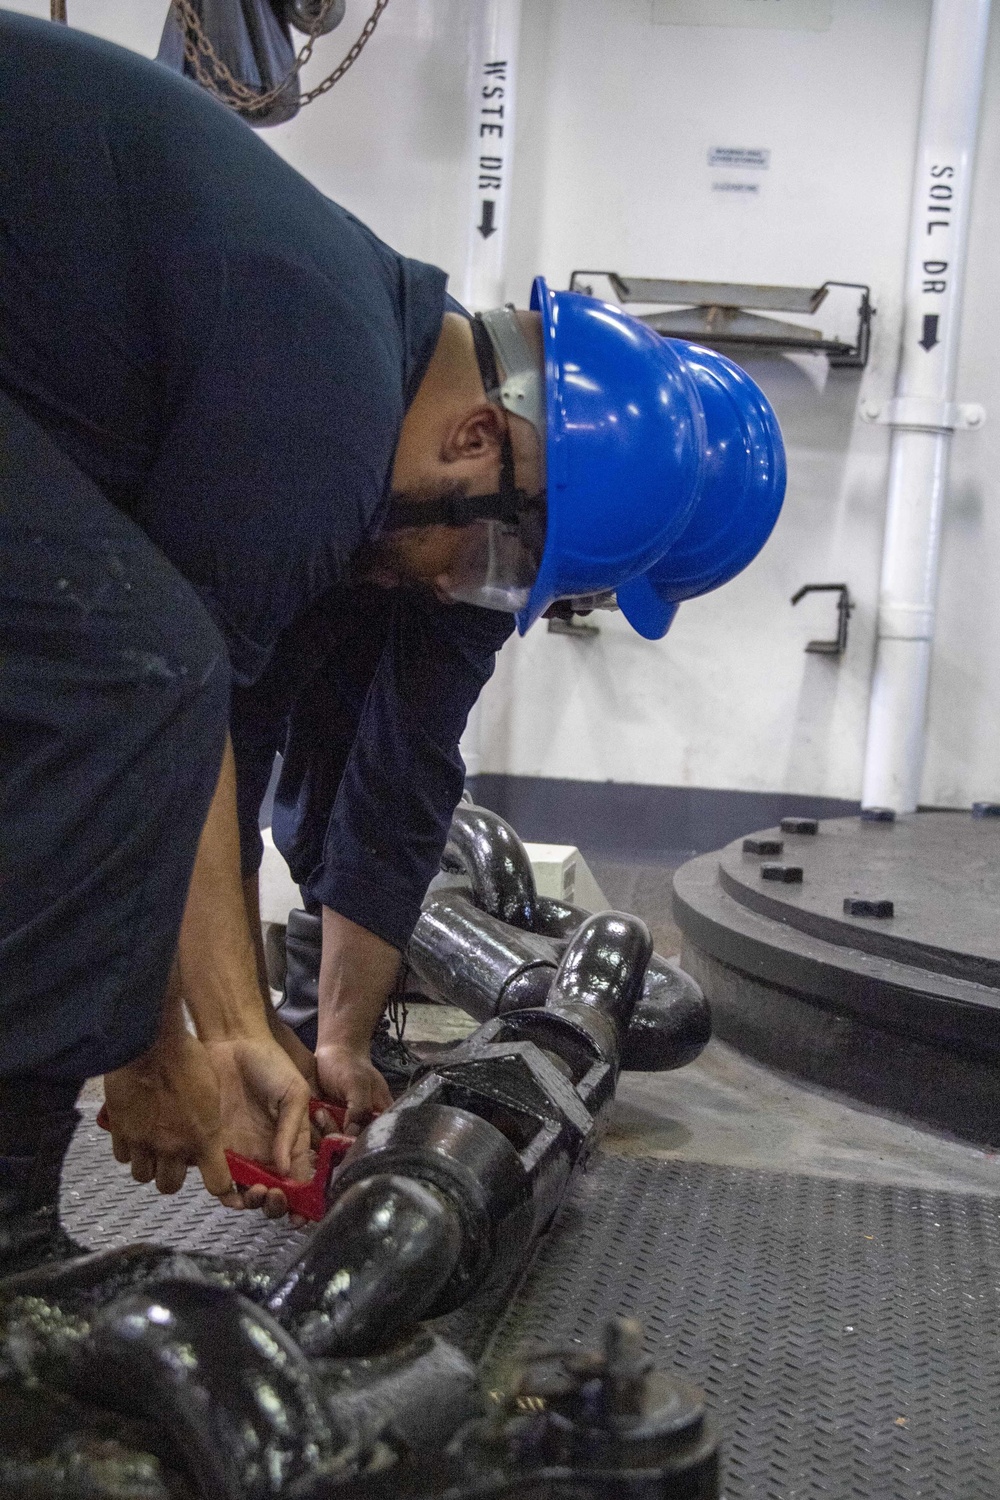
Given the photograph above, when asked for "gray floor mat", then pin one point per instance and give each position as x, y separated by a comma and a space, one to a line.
102, 1208
846, 1333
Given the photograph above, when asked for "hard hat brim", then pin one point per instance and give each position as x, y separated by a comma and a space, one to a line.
648, 613
543, 302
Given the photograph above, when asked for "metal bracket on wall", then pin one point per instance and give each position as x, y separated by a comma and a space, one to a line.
572, 616
715, 313
570, 625
923, 414
844, 606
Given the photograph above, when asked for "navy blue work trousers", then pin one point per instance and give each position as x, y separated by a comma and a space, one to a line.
114, 703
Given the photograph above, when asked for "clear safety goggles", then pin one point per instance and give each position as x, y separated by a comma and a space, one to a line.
498, 562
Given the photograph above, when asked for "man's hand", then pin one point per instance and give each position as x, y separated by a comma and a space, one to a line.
340, 1072
295, 1049
264, 1104
356, 977
164, 1110
264, 1099
348, 1077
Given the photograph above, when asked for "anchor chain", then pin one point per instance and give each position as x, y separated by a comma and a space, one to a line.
213, 74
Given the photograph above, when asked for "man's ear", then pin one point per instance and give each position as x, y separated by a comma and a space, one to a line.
476, 435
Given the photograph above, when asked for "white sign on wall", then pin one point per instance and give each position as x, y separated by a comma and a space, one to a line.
787, 15
758, 158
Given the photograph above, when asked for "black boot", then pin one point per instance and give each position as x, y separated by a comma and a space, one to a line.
37, 1121
299, 1006
299, 1000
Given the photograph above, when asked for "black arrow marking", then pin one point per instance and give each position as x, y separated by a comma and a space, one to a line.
930, 337
486, 225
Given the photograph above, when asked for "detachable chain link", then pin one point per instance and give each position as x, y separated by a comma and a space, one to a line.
213, 74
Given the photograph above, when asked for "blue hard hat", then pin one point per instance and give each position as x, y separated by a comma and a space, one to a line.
664, 464
742, 488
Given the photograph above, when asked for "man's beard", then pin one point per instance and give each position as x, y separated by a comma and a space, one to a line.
373, 561
383, 555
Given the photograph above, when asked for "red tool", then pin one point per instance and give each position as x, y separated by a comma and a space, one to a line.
305, 1198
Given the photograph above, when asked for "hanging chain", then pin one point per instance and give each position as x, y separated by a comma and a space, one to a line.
212, 73
352, 56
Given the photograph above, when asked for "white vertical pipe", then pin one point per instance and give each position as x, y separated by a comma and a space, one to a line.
496, 33
496, 36
923, 414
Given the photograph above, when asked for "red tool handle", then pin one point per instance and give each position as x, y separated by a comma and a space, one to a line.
305, 1198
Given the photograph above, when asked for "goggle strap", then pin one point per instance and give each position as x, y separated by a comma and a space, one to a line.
522, 390
486, 359
507, 505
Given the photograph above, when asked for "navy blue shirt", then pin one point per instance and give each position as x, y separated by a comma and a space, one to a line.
229, 356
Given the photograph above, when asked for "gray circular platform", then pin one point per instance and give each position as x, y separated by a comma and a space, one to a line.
902, 1012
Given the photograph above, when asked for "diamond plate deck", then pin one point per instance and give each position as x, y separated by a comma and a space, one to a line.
847, 1334
103, 1208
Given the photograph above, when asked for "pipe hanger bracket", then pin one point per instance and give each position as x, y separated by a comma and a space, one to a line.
923, 414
